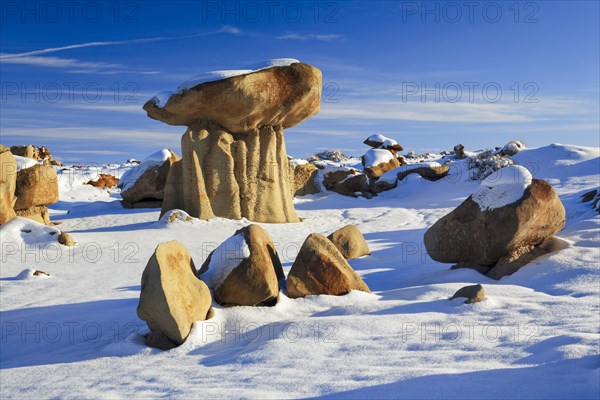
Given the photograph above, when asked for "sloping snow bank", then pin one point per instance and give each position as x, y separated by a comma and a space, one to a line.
225, 259
503, 187
21, 230
160, 99
153, 160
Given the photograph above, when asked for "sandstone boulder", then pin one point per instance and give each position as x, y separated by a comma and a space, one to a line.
380, 141
65, 239
350, 242
28, 151
500, 225
347, 182
244, 270
144, 185
473, 294
306, 179
8, 180
36, 188
376, 162
274, 96
459, 151
172, 297
104, 181
320, 268
592, 197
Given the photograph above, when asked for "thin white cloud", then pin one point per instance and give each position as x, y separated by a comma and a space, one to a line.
310, 36
36, 58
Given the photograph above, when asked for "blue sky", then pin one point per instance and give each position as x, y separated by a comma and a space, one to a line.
430, 74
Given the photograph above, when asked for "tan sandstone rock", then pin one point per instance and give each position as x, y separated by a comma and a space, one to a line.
277, 96
473, 294
232, 176
104, 181
350, 242
348, 182
149, 189
8, 180
234, 162
305, 179
493, 238
28, 151
253, 280
320, 268
36, 188
172, 297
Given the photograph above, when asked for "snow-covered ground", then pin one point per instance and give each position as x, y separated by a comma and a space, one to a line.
76, 334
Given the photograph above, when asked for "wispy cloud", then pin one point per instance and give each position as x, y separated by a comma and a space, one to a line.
37, 58
310, 36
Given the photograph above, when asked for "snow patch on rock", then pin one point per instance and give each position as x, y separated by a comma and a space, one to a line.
375, 157
225, 259
161, 99
24, 162
132, 175
503, 187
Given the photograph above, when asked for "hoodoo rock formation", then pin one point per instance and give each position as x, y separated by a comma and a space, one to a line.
234, 162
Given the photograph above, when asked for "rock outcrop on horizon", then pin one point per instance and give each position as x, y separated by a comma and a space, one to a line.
36, 188
234, 162
8, 182
498, 239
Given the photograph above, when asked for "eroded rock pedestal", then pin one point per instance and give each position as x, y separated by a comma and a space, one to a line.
234, 162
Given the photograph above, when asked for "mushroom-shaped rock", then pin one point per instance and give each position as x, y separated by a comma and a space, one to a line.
144, 185
244, 270
8, 180
36, 188
278, 93
350, 242
320, 268
172, 297
234, 162
509, 216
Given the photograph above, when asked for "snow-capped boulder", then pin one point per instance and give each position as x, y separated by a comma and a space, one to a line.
8, 180
172, 297
500, 225
36, 188
280, 92
376, 162
379, 140
235, 161
320, 268
244, 270
459, 151
511, 148
144, 185
350, 242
